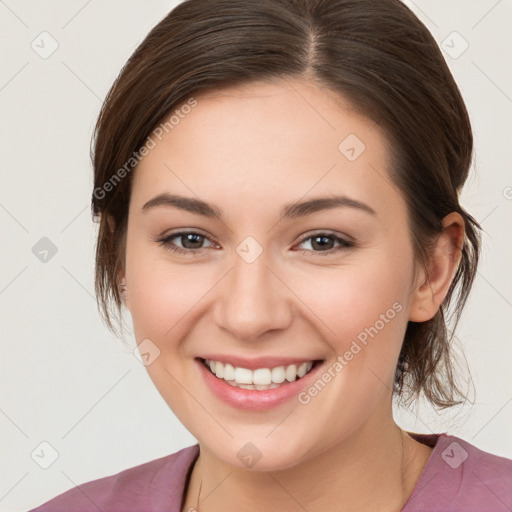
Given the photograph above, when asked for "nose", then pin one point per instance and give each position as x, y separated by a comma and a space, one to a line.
253, 300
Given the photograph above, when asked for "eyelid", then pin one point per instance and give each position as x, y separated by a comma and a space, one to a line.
327, 232
187, 231
164, 241
345, 242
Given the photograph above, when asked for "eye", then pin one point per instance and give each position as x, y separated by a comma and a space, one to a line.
325, 243
190, 242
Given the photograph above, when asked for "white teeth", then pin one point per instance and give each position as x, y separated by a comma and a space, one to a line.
302, 369
291, 372
261, 378
278, 374
242, 375
229, 372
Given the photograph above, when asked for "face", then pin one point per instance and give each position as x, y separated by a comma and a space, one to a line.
259, 280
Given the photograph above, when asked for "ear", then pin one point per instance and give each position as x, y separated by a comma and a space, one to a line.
431, 289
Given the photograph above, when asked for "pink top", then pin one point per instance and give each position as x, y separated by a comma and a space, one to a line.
457, 477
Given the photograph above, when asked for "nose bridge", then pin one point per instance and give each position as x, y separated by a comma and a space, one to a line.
252, 300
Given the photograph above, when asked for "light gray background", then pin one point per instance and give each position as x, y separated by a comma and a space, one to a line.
65, 379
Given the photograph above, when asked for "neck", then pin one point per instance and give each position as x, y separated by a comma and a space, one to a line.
375, 469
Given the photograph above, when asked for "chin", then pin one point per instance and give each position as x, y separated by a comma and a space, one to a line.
259, 453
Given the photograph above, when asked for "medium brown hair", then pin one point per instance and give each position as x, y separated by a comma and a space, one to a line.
376, 54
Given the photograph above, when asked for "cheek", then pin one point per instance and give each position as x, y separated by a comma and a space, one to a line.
361, 312
159, 294
355, 297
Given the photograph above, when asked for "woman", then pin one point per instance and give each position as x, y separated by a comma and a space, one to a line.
277, 185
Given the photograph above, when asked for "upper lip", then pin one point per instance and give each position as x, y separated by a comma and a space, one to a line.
254, 363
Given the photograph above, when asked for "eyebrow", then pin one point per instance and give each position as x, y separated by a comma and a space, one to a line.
291, 211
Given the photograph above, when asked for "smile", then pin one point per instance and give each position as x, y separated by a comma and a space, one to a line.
259, 379
261, 387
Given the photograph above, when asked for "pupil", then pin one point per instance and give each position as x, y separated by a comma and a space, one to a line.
192, 238
323, 239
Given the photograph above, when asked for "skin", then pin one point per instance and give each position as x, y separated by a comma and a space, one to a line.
249, 151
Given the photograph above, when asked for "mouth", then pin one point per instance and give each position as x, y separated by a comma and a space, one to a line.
262, 378
257, 384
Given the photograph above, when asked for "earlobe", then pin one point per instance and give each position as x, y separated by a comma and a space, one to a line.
432, 289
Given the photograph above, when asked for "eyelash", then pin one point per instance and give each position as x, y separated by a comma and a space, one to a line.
344, 244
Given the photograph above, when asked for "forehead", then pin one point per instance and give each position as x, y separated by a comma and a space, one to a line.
245, 145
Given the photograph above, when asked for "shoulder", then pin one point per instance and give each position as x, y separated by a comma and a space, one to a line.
154, 485
460, 476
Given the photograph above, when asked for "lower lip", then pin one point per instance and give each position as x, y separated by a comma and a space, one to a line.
250, 399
